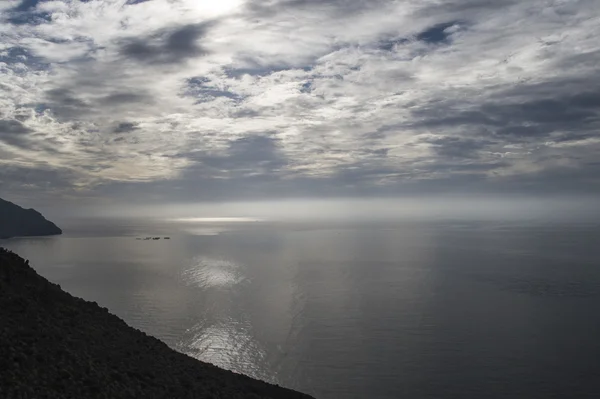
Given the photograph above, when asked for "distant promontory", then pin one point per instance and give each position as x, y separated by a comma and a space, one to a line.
19, 222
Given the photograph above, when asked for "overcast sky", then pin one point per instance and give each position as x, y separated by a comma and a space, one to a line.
108, 101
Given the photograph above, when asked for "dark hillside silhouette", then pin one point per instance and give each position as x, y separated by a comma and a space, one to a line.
19, 222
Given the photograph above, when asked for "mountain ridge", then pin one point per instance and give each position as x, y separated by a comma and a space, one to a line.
16, 221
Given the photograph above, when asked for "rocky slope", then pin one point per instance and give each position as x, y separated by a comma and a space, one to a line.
19, 222
53, 345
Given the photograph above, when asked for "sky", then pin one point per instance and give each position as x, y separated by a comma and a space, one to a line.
174, 101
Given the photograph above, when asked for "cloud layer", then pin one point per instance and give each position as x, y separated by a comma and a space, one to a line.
183, 100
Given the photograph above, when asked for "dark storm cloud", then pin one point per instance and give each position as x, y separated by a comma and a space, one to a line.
577, 110
168, 46
36, 183
11, 127
570, 116
13, 132
125, 127
63, 103
40, 175
253, 151
473, 168
250, 165
124, 98
65, 97
584, 180
244, 155
457, 147
267, 8
462, 7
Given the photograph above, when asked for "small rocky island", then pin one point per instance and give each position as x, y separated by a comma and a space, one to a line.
54, 345
19, 222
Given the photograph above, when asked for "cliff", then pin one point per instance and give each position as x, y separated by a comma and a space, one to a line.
54, 345
19, 222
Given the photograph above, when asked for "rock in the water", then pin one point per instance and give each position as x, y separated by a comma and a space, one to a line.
19, 222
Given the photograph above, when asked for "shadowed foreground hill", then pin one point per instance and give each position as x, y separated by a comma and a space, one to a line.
54, 345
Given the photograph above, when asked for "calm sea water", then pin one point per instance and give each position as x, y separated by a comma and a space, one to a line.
405, 310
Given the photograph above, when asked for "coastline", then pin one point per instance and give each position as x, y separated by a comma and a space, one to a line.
56, 345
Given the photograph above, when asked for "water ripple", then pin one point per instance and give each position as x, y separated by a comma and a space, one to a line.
229, 344
208, 272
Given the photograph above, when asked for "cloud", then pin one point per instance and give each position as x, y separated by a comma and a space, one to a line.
242, 98
25, 13
13, 132
64, 102
334, 7
167, 46
439, 33
125, 127
124, 98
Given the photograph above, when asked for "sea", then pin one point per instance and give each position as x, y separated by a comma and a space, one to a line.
382, 310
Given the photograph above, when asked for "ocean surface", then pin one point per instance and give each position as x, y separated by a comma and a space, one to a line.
447, 309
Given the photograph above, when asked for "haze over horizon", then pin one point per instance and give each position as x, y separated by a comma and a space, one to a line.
113, 102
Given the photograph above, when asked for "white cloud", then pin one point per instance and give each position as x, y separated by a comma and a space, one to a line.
360, 94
